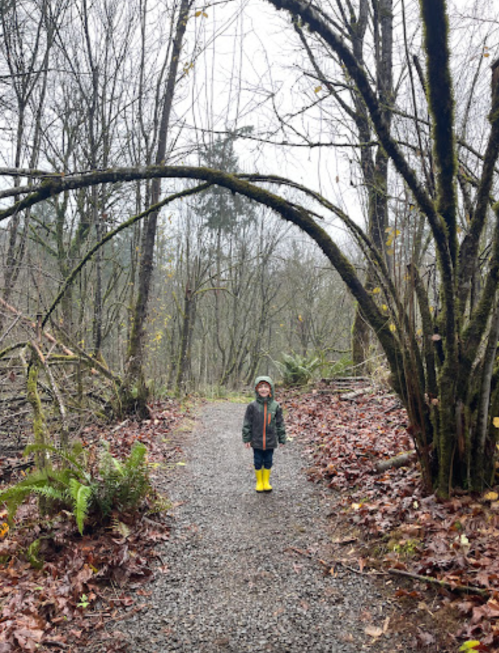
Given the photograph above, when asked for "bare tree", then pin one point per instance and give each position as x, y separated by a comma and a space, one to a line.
135, 373
28, 33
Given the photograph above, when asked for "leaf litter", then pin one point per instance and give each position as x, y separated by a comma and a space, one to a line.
455, 543
82, 584
61, 590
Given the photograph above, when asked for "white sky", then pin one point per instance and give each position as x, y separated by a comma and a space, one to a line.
252, 63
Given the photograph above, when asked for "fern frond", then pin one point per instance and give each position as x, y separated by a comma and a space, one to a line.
70, 459
13, 498
137, 455
78, 449
118, 466
50, 483
38, 476
81, 495
16, 494
50, 492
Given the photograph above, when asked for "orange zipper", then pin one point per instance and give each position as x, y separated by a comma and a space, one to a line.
264, 424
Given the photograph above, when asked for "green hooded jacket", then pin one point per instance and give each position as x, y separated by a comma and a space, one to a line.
263, 424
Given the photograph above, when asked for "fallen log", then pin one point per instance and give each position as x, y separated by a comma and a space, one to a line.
351, 396
346, 379
397, 461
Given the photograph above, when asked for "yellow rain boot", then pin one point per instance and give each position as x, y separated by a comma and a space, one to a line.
259, 480
266, 485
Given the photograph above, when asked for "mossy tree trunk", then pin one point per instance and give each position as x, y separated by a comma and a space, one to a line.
33, 397
134, 391
188, 317
450, 394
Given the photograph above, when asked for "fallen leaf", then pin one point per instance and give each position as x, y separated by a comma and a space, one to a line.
470, 645
373, 631
427, 639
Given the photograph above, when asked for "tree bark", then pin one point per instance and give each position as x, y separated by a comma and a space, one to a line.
135, 357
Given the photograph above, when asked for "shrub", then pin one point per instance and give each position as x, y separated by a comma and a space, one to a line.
297, 370
119, 485
341, 367
123, 484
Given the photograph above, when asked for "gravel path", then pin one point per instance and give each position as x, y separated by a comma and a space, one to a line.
236, 582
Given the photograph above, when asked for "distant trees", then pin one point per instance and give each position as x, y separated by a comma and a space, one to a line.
367, 29
28, 36
241, 291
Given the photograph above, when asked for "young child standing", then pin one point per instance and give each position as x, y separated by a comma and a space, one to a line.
263, 429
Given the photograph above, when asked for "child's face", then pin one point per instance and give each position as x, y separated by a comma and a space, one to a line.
263, 389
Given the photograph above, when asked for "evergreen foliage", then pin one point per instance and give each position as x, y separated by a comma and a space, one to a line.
297, 370
116, 485
223, 210
123, 483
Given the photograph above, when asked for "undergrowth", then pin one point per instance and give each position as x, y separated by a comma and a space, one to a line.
68, 481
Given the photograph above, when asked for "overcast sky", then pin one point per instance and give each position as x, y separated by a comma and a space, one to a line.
254, 66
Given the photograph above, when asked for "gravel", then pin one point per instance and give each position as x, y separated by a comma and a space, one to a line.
236, 581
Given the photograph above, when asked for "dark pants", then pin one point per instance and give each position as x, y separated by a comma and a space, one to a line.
263, 458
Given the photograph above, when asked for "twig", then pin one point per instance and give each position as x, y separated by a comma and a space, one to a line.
120, 426
130, 613
58, 397
460, 589
33, 325
394, 406
53, 642
6, 333
346, 379
354, 394
325, 563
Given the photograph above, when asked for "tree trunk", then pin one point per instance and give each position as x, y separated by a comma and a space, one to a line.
185, 340
135, 357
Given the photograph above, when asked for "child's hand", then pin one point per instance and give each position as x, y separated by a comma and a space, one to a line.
247, 445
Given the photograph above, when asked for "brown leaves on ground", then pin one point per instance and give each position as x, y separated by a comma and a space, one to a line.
455, 541
57, 588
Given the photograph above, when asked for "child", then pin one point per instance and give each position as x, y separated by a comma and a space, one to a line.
263, 429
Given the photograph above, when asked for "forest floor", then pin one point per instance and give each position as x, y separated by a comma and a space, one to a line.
311, 566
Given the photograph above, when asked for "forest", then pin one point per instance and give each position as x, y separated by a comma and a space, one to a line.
193, 194
193, 298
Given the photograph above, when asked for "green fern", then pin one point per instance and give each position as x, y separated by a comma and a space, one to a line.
74, 459
49, 483
52, 493
32, 553
135, 484
124, 484
297, 370
118, 485
81, 496
35, 483
118, 466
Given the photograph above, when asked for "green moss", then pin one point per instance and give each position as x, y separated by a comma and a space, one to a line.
39, 427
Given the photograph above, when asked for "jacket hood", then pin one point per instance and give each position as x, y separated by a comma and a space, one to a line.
268, 380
